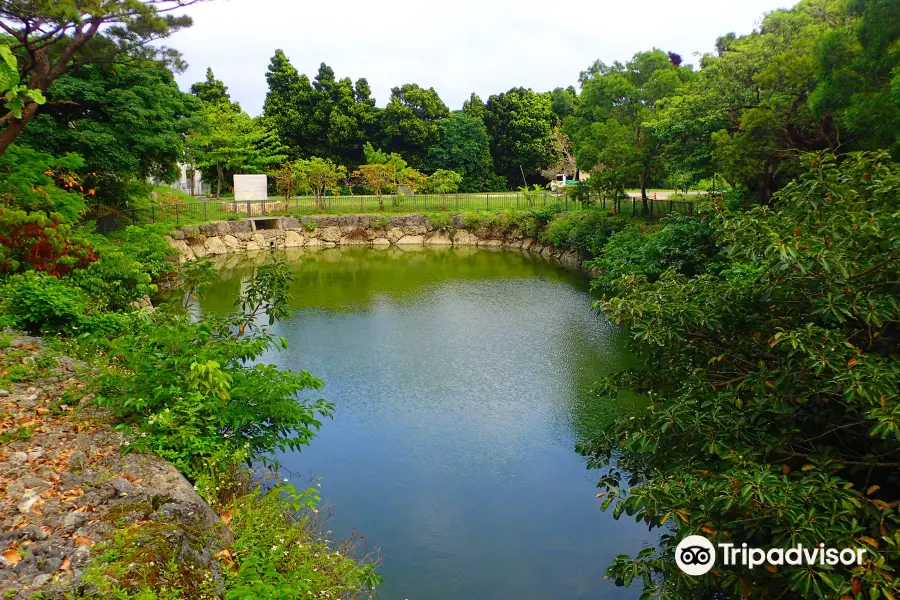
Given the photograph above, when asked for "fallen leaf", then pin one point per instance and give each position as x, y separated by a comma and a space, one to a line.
771, 568
84, 541
12, 557
65, 564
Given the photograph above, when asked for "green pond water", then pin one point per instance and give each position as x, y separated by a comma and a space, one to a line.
462, 381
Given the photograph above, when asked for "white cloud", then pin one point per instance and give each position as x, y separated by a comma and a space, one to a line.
485, 46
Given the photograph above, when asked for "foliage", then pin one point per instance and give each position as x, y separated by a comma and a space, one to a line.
520, 123
35, 181
327, 117
204, 405
229, 140
53, 38
41, 243
410, 123
682, 244
773, 384
280, 555
41, 302
319, 175
127, 122
442, 182
587, 231
465, 148
15, 93
608, 127
114, 280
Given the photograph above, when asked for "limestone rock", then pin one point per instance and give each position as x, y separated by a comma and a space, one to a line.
231, 243
214, 246
464, 238
394, 234
439, 238
293, 239
411, 240
331, 233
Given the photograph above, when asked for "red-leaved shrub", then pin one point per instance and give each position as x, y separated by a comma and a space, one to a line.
37, 242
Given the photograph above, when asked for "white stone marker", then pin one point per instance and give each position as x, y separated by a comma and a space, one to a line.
251, 187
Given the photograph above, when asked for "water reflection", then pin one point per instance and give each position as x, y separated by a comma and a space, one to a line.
462, 380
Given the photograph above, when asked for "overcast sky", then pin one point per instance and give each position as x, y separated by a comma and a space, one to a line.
485, 46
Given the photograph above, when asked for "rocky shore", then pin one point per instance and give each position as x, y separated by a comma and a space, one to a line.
69, 491
247, 235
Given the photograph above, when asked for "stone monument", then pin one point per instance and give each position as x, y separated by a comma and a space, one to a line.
251, 187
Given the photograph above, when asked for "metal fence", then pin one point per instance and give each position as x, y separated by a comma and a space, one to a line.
225, 209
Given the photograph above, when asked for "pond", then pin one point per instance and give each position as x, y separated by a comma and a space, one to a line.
462, 381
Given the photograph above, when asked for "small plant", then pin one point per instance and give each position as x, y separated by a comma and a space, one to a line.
439, 221
358, 233
41, 302
380, 223
310, 226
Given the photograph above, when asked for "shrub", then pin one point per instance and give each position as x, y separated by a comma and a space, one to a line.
40, 243
682, 244
147, 247
309, 226
34, 181
283, 556
114, 281
187, 387
40, 302
439, 221
379, 223
773, 384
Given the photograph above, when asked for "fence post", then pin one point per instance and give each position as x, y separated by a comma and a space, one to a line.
249, 214
153, 213
205, 216
651, 206
633, 200
235, 207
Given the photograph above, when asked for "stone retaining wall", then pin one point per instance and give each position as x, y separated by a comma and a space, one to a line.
247, 235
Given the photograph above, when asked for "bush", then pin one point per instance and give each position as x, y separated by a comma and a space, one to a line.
40, 302
283, 556
187, 387
34, 181
380, 223
40, 243
773, 414
114, 281
439, 221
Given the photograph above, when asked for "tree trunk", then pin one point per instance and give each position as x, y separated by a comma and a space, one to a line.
219, 176
646, 208
17, 126
768, 183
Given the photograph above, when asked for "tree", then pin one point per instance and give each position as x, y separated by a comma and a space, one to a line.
410, 124
474, 107
858, 82
464, 147
319, 175
325, 117
379, 178
616, 103
52, 38
229, 140
442, 181
212, 91
519, 123
127, 121
772, 386
748, 113
564, 163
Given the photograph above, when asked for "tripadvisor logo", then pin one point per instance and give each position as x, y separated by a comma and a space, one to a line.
696, 555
